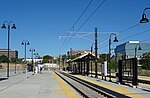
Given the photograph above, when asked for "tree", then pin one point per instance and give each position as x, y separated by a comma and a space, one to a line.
20, 60
3, 59
63, 57
102, 58
47, 59
13, 60
146, 61
113, 62
75, 56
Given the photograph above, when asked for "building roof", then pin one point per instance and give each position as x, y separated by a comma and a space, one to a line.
74, 52
133, 42
7, 50
83, 57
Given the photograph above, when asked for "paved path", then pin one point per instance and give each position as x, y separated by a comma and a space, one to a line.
42, 85
3, 72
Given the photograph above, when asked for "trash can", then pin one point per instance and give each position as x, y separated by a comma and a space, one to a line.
117, 77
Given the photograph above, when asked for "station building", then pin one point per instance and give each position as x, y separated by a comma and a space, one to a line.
12, 53
127, 50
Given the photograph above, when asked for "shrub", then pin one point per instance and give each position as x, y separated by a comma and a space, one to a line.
1, 66
144, 73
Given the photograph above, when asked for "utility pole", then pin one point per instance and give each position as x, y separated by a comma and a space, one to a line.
71, 58
96, 52
91, 60
71, 53
59, 61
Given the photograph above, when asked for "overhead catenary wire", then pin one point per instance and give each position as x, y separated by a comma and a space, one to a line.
63, 44
124, 30
82, 14
83, 23
88, 18
124, 39
130, 27
91, 15
145, 40
135, 35
120, 32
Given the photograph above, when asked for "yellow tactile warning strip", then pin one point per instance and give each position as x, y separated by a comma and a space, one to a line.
120, 90
59, 92
65, 89
144, 84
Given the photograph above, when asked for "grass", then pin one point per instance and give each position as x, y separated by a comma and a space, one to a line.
144, 72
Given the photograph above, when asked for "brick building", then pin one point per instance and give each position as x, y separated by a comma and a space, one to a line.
12, 53
75, 52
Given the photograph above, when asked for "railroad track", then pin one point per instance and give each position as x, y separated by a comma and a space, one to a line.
87, 89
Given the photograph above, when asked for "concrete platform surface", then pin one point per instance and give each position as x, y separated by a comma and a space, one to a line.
141, 91
45, 85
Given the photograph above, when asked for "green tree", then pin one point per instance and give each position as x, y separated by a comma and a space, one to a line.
3, 59
20, 60
146, 61
102, 58
14, 60
47, 59
75, 56
63, 57
113, 63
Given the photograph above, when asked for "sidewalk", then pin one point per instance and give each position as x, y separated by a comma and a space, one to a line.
36, 86
3, 72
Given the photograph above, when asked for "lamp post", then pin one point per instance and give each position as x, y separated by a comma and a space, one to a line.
36, 56
136, 49
25, 43
32, 50
115, 40
36, 62
144, 19
4, 27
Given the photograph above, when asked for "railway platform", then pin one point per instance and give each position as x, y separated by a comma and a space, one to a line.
141, 91
50, 85
44, 85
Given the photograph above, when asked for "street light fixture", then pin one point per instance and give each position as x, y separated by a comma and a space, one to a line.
32, 50
138, 49
115, 40
36, 56
4, 27
144, 19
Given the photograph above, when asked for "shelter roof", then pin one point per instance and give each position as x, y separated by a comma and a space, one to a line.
85, 57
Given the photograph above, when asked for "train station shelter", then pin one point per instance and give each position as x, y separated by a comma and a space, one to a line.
81, 64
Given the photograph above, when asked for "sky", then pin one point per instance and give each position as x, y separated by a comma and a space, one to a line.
47, 24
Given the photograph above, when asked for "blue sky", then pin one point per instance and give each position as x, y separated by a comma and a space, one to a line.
41, 22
